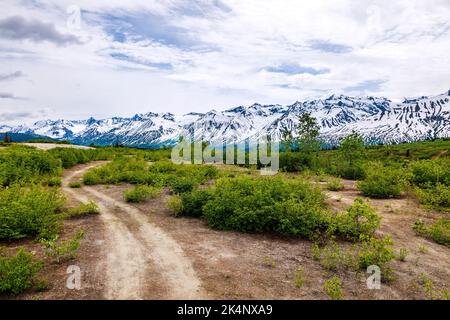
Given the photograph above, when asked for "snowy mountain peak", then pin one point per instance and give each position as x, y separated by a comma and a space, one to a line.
377, 119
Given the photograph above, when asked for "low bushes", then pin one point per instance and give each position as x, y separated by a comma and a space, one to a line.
439, 231
275, 204
24, 165
122, 169
431, 179
335, 184
141, 193
54, 182
176, 204
333, 288
192, 202
382, 182
436, 197
295, 161
63, 251
332, 257
179, 178
427, 173
181, 184
359, 219
75, 184
375, 251
83, 209
71, 156
29, 211
352, 171
368, 251
18, 272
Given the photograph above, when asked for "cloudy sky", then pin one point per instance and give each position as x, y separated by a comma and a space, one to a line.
75, 59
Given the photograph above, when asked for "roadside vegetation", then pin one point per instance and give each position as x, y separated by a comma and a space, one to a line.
291, 204
32, 207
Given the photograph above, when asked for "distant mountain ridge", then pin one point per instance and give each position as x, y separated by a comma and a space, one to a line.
379, 120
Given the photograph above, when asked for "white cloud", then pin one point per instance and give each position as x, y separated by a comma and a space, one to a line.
140, 56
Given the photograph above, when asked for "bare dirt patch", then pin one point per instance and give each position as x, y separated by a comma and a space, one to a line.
233, 265
143, 251
142, 261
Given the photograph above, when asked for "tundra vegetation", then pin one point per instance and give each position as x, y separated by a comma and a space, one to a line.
33, 207
289, 204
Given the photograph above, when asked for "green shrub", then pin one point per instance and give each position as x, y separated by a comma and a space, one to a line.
91, 178
382, 182
54, 182
352, 171
63, 250
83, 209
135, 170
193, 202
439, 231
295, 161
333, 257
141, 193
176, 204
180, 185
333, 288
359, 219
75, 184
375, 251
18, 273
276, 204
299, 278
335, 184
41, 284
430, 292
426, 173
29, 211
403, 253
351, 155
163, 167
71, 156
122, 169
436, 197
25, 165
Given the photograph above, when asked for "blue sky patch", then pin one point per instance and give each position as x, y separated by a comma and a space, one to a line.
158, 65
329, 47
296, 69
149, 26
366, 86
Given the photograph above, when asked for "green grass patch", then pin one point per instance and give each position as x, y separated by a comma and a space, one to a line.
29, 211
141, 193
83, 209
439, 230
18, 272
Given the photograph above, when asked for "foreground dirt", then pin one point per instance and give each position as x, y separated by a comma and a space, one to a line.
143, 252
142, 261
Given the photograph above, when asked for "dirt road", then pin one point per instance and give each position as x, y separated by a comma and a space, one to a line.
142, 251
142, 261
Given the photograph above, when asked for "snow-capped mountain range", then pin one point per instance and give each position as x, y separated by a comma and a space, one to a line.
377, 119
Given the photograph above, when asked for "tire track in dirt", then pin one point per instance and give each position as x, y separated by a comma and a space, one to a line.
136, 248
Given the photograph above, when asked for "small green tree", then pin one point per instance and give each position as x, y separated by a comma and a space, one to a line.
351, 153
307, 133
351, 148
286, 140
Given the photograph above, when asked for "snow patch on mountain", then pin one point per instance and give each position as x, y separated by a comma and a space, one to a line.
377, 119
